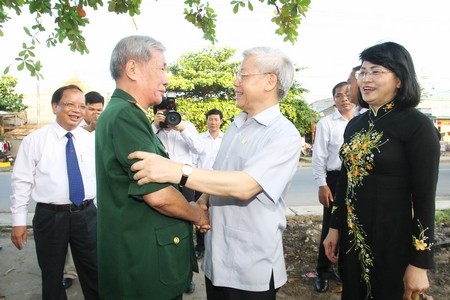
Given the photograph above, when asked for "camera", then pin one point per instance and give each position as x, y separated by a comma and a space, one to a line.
173, 118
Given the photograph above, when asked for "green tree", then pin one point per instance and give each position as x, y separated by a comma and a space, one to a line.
9, 99
295, 108
70, 19
204, 74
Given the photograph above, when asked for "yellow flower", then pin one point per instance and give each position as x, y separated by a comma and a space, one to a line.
365, 145
349, 209
421, 245
350, 224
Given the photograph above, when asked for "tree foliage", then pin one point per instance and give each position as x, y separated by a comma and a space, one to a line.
204, 74
70, 19
9, 99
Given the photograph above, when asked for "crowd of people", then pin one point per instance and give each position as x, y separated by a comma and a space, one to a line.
119, 196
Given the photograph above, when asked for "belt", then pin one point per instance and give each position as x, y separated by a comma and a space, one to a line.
66, 207
333, 172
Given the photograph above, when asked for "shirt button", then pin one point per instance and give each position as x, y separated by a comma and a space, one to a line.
176, 240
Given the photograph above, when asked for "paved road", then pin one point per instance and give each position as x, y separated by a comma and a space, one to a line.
302, 192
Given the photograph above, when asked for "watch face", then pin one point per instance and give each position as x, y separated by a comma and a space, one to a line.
187, 170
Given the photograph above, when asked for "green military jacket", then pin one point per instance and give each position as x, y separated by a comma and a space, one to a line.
142, 254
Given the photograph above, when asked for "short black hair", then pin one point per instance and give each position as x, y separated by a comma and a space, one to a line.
94, 97
342, 83
57, 95
214, 111
397, 59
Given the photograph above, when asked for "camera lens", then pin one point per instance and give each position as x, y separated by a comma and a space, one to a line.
173, 118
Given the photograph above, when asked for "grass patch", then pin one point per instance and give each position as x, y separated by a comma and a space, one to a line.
442, 216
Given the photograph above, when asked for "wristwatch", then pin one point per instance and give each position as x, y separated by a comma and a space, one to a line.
186, 170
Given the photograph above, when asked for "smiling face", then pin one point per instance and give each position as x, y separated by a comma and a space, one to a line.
379, 85
255, 90
151, 78
70, 109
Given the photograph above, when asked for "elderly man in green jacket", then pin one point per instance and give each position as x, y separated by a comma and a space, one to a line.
145, 247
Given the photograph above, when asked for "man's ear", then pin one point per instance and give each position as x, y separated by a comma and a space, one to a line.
131, 69
55, 107
272, 82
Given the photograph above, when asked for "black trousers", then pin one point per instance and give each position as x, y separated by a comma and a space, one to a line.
324, 265
53, 230
227, 293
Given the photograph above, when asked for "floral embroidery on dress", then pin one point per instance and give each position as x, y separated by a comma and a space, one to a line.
359, 161
419, 243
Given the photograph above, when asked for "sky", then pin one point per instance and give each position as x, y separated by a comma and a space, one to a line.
331, 36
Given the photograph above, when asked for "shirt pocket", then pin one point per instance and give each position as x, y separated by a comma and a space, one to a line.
174, 253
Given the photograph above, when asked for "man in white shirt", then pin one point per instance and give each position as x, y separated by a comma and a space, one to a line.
94, 106
211, 140
326, 166
41, 174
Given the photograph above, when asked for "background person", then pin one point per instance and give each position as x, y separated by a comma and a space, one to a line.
94, 106
385, 201
182, 141
145, 241
40, 173
211, 140
353, 92
257, 159
326, 166
95, 103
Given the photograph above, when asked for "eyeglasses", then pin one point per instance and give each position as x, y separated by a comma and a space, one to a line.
71, 106
239, 76
375, 74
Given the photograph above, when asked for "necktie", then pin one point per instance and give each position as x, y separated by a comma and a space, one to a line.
76, 187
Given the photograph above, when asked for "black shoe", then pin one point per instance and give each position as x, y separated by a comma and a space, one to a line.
198, 254
321, 285
67, 282
191, 288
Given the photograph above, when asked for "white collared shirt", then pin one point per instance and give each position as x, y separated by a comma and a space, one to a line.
40, 171
205, 159
180, 145
327, 142
244, 245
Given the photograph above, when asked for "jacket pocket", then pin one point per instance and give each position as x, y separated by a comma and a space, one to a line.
174, 253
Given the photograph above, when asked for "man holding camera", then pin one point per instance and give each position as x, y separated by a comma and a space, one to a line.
181, 140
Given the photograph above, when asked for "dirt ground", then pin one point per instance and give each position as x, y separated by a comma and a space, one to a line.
20, 273
301, 247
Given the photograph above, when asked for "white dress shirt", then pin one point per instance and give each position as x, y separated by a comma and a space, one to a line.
327, 142
40, 170
180, 145
244, 245
205, 159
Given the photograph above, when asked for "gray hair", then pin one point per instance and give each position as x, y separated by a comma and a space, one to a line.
137, 47
270, 60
